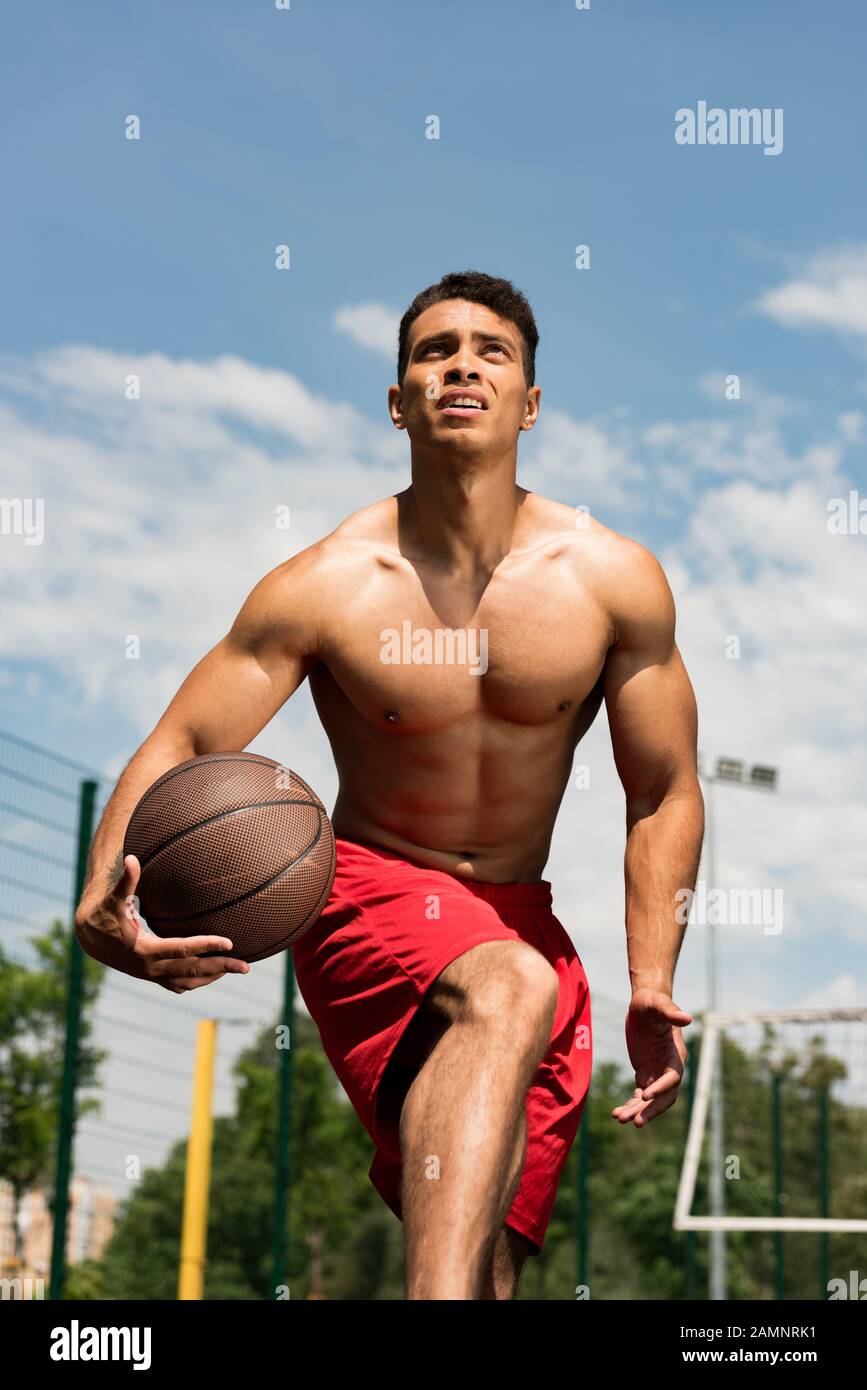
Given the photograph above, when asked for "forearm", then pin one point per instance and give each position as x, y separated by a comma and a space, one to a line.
159, 752
663, 847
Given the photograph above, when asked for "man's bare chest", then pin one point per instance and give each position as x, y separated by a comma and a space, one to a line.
525, 654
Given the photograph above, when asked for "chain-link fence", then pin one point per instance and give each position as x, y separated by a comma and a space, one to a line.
136, 1041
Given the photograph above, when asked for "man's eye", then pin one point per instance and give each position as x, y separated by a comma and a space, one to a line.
495, 347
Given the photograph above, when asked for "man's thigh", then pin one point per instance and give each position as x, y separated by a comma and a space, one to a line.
443, 1004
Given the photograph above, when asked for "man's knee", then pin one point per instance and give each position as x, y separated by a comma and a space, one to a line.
499, 983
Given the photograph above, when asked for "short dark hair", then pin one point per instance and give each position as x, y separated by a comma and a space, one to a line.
490, 290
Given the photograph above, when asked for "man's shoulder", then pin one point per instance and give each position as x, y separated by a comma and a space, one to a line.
372, 526
356, 543
624, 576
592, 544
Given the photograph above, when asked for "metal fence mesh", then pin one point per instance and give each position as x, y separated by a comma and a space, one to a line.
142, 1087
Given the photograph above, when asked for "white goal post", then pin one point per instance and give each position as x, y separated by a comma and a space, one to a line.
714, 1024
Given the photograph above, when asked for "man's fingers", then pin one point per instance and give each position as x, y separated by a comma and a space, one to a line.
128, 881
197, 965
187, 982
200, 970
625, 1112
181, 963
669, 1011
666, 1082
641, 1112
180, 947
651, 1109
131, 872
644, 1106
678, 1016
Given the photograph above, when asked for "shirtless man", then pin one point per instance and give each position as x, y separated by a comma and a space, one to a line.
450, 1000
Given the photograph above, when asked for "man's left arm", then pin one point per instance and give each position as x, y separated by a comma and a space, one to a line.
652, 718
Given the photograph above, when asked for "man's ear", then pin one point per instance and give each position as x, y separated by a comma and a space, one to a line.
531, 409
395, 407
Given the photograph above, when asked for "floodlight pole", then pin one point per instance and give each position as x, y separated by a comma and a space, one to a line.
717, 1272
717, 1267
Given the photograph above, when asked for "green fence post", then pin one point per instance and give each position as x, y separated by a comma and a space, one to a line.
824, 1194
582, 1205
692, 1047
283, 1162
66, 1131
779, 1245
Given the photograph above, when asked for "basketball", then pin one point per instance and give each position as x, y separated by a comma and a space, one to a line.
236, 845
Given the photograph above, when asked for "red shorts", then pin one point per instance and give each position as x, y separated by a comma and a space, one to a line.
387, 931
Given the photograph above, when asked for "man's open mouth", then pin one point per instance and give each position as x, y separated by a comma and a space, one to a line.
461, 403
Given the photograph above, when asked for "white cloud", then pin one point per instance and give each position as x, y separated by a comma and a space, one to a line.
372, 326
194, 400
851, 426
579, 462
766, 407
830, 293
160, 513
842, 992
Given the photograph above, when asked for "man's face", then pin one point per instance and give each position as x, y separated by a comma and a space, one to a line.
464, 390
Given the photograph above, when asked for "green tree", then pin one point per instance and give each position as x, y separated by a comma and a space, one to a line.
338, 1231
33, 1002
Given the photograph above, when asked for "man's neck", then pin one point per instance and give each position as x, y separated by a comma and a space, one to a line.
462, 519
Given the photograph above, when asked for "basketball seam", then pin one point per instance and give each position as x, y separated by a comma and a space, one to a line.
286, 941
251, 893
324, 895
221, 815
242, 757
202, 758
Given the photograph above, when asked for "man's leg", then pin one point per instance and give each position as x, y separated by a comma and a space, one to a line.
504, 1270
462, 1124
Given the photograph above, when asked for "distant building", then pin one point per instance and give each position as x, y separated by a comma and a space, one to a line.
90, 1224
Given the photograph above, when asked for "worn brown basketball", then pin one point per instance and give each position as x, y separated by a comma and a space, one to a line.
236, 845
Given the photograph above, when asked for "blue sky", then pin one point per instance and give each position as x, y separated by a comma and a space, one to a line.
307, 127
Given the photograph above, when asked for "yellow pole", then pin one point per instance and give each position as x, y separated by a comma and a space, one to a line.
194, 1233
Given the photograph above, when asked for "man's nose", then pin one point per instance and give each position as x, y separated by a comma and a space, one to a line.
460, 371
